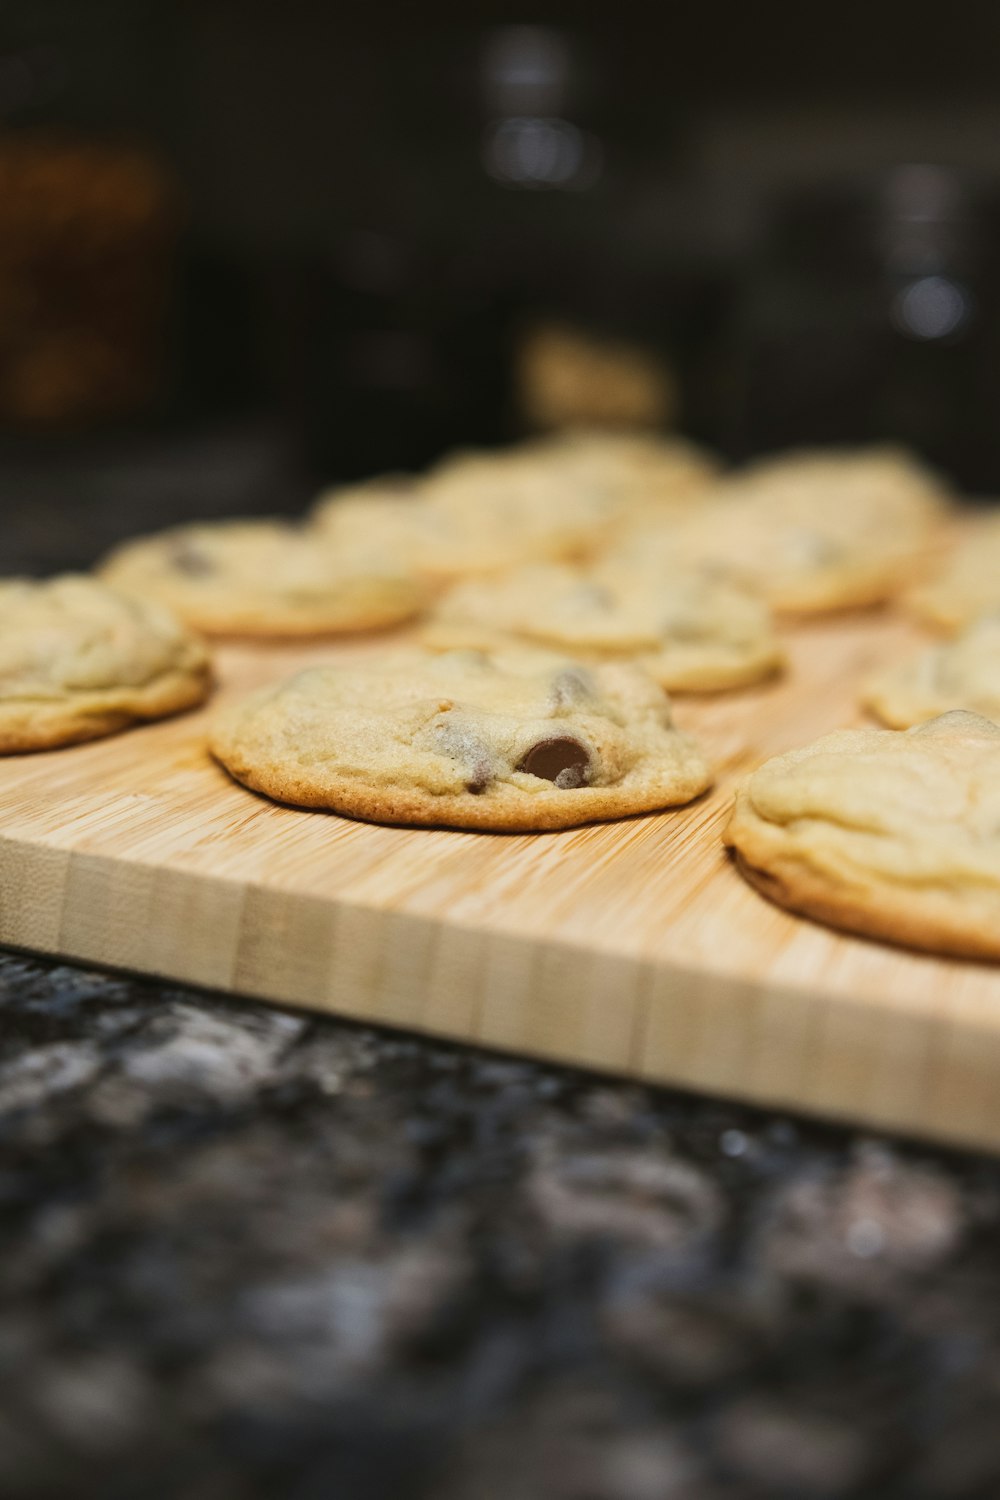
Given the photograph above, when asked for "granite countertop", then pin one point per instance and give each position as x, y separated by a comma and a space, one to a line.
247, 1251
251, 1251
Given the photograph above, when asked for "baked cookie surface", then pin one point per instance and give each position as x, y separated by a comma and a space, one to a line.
473, 524
689, 631
895, 835
518, 740
969, 583
447, 540
475, 513
809, 533
79, 660
480, 512
871, 477
637, 472
962, 673
267, 578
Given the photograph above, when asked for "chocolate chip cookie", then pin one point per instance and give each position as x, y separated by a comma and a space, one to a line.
518, 740
639, 473
78, 660
964, 673
691, 632
810, 533
892, 834
968, 584
475, 514
268, 578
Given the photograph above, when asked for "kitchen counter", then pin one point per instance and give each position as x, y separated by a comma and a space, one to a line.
250, 1251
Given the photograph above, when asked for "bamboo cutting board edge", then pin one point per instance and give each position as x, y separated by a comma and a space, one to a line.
778, 1045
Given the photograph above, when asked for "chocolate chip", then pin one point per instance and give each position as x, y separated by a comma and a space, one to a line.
480, 777
561, 760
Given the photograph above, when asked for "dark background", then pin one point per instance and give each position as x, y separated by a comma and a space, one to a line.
359, 240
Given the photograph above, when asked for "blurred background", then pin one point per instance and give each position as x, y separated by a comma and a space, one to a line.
247, 249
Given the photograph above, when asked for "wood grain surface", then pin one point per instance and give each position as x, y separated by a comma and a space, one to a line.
632, 947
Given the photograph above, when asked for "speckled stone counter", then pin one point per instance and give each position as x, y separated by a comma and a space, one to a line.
246, 1251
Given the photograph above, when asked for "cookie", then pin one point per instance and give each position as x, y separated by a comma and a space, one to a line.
891, 834
480, 512
540, 490
475, 514
447, 541
79, 660
267, 578
590, 483
964, 673
810, 534
969, 583
638, 472
690, 632
518, 740
868, 477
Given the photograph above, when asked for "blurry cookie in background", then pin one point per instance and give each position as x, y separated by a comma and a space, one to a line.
519, 492
267, 578
877, 477
888, 834
809, 532
967, 585
512, 741
78, 660
637, 472
475, 514
690, 632
964, 673
565, 377
480, 511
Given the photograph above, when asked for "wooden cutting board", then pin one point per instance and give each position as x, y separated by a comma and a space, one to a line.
632, 947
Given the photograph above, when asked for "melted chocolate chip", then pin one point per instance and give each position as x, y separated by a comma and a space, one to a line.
480, 777
561, 760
